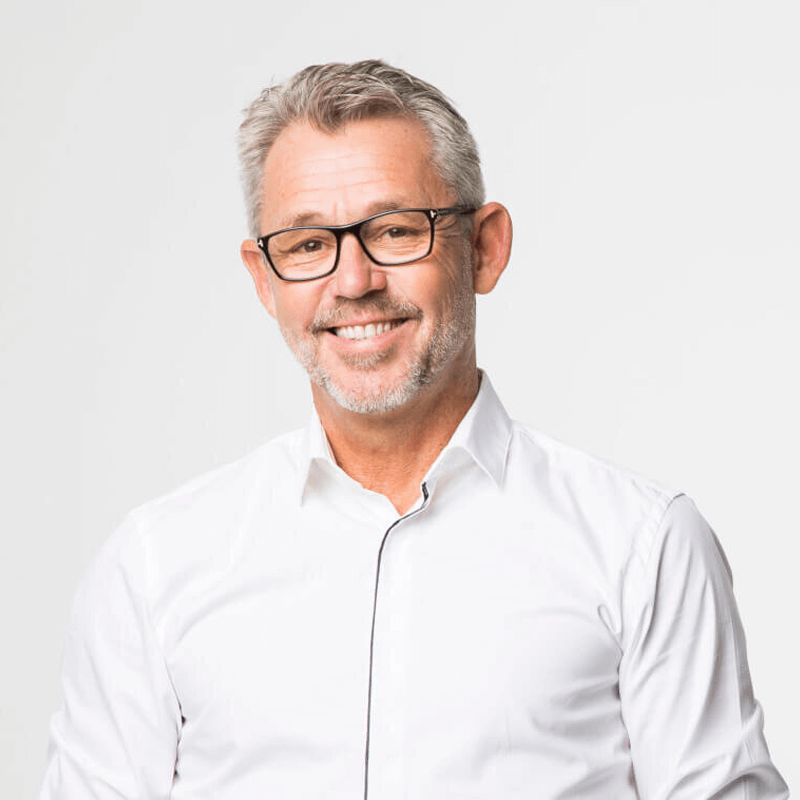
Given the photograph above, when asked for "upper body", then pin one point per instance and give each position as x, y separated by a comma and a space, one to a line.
546, 626
415, 597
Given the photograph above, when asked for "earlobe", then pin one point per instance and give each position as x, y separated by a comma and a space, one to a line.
491, 241
257, 267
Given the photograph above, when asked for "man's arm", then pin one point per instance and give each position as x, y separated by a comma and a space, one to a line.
695, 728
117, 731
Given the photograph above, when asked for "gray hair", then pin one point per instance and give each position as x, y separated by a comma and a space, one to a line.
328, 96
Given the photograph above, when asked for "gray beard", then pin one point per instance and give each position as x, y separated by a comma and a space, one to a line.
448, 339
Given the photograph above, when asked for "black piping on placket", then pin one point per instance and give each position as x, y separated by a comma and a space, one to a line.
372, 629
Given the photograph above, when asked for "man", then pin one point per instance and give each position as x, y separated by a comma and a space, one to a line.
414, 597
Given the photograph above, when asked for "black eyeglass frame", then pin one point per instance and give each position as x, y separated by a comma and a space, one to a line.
355, 228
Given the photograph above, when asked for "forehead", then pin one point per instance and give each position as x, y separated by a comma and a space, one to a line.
337, 177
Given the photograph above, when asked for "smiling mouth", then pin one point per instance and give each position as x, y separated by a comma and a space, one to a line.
359, 332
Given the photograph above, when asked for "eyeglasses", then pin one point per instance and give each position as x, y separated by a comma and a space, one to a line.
390, 239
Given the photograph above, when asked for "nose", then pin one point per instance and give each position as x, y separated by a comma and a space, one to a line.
356, 275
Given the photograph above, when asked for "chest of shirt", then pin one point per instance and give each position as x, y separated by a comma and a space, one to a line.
491, 631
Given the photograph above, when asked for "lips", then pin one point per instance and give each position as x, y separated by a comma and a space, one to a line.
359, 332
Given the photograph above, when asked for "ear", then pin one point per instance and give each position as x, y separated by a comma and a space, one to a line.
258, 268
491, 245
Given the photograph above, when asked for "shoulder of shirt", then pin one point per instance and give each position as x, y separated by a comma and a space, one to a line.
211, 507
195, 532
598, 487
576, 462
274, 461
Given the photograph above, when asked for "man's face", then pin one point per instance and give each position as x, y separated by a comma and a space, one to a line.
370, 337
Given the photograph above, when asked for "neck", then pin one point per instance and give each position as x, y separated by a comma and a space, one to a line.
391, 453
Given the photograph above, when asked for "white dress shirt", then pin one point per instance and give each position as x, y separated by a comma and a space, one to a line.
541, 625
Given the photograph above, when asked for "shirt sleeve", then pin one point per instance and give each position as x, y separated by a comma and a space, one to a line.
117, 731
694, 726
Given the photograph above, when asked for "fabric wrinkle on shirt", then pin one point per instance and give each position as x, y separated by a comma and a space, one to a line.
548, 626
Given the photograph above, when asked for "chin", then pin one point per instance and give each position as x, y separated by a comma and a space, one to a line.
373, 400
368, 385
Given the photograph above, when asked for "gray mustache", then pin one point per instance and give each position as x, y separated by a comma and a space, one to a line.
345, 309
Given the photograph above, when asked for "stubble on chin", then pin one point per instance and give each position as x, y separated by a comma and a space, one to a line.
365, 396
360, 395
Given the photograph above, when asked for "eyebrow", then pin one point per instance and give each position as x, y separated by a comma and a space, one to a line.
304, 218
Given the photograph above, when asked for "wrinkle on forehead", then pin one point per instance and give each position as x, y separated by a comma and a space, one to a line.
316, 177
315, 218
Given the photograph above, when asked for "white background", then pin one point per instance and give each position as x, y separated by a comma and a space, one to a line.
648, 153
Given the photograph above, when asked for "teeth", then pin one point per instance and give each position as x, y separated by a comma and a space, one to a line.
366, 331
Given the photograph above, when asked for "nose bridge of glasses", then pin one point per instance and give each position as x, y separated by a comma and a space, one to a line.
355, 272
355, 231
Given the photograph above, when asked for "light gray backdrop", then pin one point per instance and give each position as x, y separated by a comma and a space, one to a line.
648, 153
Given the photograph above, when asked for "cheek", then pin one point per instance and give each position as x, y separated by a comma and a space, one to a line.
430, 286
294, 305
453, 284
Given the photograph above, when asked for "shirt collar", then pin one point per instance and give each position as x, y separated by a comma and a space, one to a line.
484, 434
315, 453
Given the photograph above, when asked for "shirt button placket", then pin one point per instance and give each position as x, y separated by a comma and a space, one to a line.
385, 762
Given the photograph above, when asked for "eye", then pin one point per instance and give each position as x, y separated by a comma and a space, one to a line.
308, 246
391, 232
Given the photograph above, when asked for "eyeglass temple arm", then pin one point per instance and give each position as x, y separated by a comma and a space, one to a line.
434, 213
